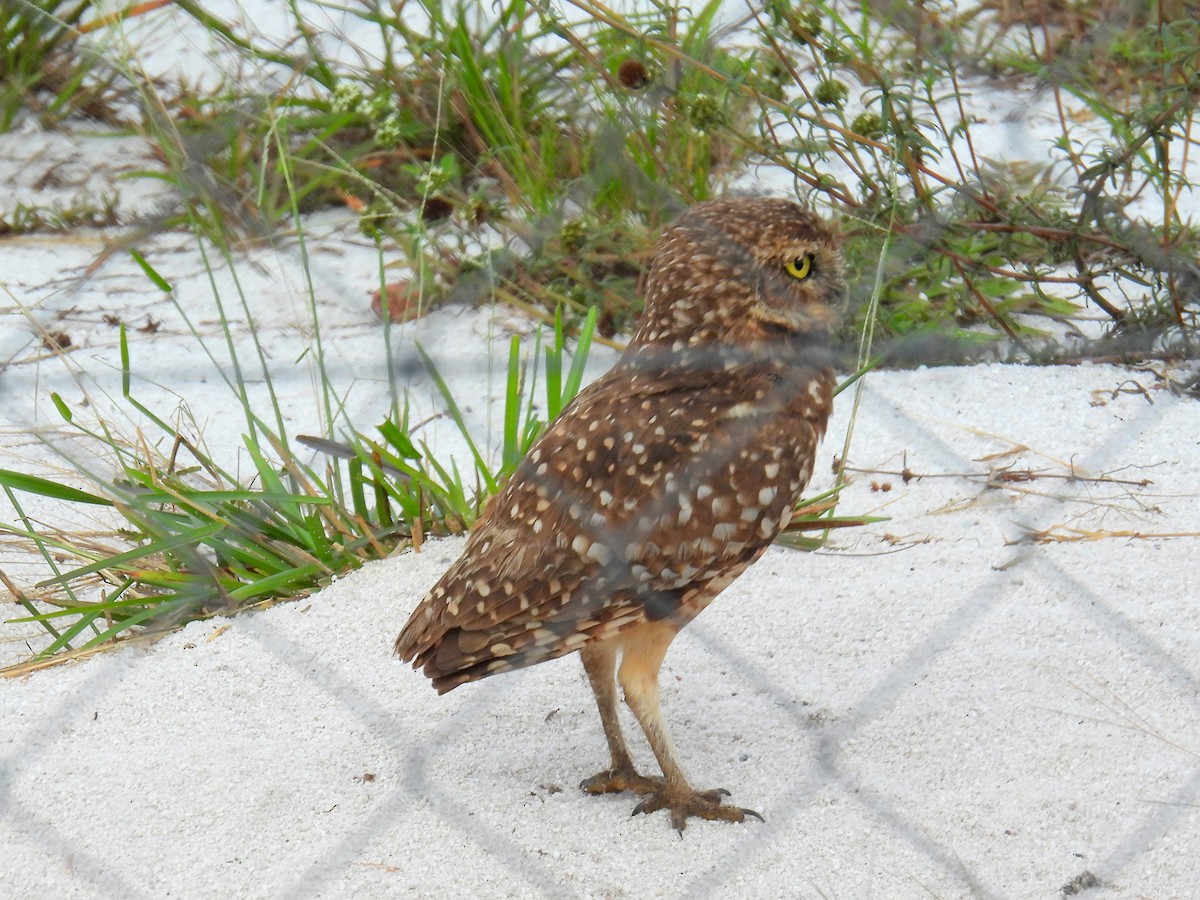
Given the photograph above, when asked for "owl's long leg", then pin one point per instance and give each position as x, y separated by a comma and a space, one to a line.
641, 658
599, 661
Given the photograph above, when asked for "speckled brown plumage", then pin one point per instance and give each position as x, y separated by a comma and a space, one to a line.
658, 485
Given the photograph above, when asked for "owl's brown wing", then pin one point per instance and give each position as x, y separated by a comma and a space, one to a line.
630, 504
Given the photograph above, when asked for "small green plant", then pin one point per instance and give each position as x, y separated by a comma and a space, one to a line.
41, 65
407, 483
84, 212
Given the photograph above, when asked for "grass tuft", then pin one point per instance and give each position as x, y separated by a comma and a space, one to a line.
203, 543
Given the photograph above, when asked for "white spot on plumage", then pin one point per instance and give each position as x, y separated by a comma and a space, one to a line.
599, 553
743, 410
723, 531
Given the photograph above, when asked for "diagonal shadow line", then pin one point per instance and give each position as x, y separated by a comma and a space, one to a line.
77, 864
506, 851
899, 679
44, 832
1156, 825
488, 839
1120, 625
1147, 650
828, 769
458, 815
330, 864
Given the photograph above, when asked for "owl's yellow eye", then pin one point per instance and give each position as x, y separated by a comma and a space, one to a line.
800, 267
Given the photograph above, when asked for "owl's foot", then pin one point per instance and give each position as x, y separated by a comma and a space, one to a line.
614, 781
701, 804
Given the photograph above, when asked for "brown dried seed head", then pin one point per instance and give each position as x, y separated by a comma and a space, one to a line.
633, 74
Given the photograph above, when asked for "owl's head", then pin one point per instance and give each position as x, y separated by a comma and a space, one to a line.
740, 270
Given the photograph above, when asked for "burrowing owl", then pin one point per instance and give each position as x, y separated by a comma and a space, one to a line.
658, 485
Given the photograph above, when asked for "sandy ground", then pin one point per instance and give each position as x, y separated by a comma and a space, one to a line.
935, 705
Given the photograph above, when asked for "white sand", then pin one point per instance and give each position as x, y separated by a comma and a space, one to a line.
939, 711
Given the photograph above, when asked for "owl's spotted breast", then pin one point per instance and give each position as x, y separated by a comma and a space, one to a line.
625, 512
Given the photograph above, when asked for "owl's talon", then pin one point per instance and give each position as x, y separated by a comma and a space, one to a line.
616, 781
700, 804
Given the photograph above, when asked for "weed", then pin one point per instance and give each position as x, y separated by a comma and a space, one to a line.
41, 64
87, 213
201, 542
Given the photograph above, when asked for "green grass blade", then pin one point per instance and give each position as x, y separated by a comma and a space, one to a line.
159, 282
192, 538
583, 346
456, 416
512, 407
32, 484
280, 583
554, 355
